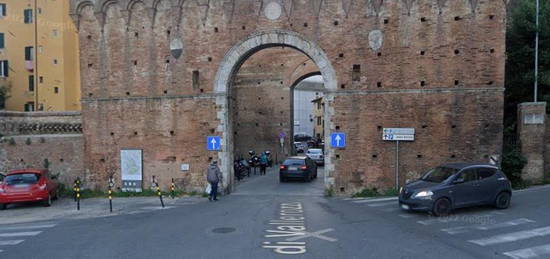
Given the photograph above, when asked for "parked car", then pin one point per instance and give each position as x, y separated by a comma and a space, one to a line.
453, 186
28, 185
316, 154
2, 177
301, 167
300, 147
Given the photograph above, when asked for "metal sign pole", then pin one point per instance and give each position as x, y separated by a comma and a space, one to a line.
397, 165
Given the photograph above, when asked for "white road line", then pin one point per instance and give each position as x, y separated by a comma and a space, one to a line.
464, 229
511, 237
376, 200
405, 216
353, 199
10, 242
533, 252
20, 234
381, 204
27, 227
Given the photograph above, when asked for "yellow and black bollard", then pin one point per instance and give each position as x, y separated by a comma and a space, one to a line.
159, 193
111, 184
173, 189
77, 193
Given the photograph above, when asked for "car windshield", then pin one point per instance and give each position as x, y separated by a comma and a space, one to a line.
314, 151
438, 174
24, 178
294, 162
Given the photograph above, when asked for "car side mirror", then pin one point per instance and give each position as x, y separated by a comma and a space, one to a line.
458, 181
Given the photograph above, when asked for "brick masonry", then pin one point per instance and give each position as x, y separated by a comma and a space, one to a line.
436, 65
43, 139
532, 131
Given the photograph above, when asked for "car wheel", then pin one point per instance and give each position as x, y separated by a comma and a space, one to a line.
503, 200
48, 201
442, 207
282, 179
3, 206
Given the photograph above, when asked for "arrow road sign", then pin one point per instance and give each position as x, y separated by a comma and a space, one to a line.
213, 143
338, 140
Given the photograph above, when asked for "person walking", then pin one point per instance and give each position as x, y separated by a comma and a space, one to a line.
213, 176
263, 163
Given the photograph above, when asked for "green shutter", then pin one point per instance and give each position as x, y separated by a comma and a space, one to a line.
1, 40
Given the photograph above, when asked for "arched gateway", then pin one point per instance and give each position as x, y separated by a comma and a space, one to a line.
234, 59
156, 77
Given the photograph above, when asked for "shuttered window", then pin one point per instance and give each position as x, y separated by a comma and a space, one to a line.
29, 53
28, 15
2, 10
1, 40
4, 68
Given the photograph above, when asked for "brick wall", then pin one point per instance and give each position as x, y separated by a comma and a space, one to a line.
438, 64
43, 139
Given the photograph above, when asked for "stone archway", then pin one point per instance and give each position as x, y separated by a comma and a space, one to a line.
231, 63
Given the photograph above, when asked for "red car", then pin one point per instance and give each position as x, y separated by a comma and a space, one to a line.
27, 185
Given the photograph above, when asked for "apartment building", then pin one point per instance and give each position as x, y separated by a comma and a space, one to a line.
39, 60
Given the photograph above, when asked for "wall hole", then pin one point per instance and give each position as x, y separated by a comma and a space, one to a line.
136, 34
127, 93
305, 24
135, 62
61, 160
337, 127
257, 124
424, 126
342, 189
172, 133
343, 86
490, 83
244, 27
89, 37
215, 29
418, 156
423, 19
135, 133
379, 127
453, 156
491, 17
374, 156
90, 94
212, 131
196, 76
341, 55
168, 32
112, 133
356, 73
167, 61
456, 82
453, 126
457, 18
422, 52
386, 20
379, 84
335, 23
457, 51
492, 50
337, 156
102, 160
90, 65
201, 90
422, 83
165, 92
209, 59
379, 54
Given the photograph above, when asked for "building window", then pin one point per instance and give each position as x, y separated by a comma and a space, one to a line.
55, 61
56, 90
319, 121
29, 55
1, 40
31, 83
4, 68
28, 15
2, 10
41, 79
29, 107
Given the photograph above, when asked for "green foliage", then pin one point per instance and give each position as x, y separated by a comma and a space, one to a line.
373, 192
4, 93
28, 141
11, 141
520, 44
512, 164
329, 192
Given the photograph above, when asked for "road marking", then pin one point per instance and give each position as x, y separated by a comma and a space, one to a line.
353, 199
479, 219
405, 216
533, 252
511, 237
27, 227
376, 200
10, 242
20, 234
316, 234
464, 229
381, 204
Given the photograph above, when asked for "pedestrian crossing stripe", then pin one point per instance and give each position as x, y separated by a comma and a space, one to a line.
464, 229
10, 242
533, 252
512, 237
20, 234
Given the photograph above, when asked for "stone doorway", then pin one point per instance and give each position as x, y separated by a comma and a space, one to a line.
239, 93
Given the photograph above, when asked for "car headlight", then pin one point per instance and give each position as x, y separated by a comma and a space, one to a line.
401, 190
423, 194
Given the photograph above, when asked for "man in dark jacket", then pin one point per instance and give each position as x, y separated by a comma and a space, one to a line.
213, 176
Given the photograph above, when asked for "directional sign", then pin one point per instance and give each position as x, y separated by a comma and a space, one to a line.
338, 140
398, 134
213, 143
399, 131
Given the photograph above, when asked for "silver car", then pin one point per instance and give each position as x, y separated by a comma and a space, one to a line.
316, 154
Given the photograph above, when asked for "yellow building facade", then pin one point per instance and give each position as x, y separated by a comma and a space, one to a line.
39, 60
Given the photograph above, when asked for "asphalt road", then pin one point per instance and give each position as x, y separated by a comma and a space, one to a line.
268, 219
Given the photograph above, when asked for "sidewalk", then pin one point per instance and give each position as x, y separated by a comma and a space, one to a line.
63, 209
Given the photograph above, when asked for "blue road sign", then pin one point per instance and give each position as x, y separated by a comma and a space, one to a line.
213, 143
338, 140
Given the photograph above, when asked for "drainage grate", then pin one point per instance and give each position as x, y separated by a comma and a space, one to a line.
223, 230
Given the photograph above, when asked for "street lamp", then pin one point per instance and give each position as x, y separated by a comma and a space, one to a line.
536, 50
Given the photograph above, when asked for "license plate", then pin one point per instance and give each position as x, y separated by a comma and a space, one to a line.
405, 206
293, 168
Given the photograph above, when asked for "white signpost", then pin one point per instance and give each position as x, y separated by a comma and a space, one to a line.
397, 134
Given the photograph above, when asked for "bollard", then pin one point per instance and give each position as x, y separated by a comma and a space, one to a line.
159, 193
173, 189
111, 184
77, 191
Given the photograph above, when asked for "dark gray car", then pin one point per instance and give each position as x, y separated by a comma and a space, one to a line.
298, 167
453, 186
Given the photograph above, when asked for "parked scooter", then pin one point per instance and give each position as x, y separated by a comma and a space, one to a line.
253, 161
241, 169
269, 158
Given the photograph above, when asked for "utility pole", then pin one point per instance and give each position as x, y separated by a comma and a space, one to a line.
36, 81
537, 51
